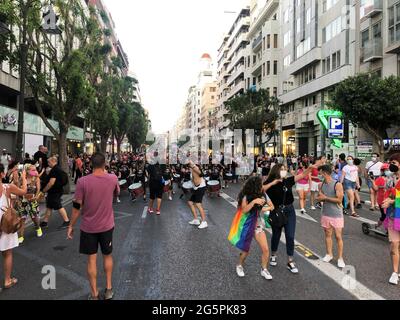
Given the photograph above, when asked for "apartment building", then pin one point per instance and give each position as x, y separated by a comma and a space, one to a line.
264, 55
231, 66
208, 100
318, 51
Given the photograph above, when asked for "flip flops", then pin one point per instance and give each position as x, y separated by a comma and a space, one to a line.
14, 281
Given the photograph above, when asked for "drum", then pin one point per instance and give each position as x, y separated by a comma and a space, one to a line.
187, 187
213, 186
167, 186
123, 184
136, 189
176, 176
228, 176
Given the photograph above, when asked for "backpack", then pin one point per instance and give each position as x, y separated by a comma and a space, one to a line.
64, 178
10, 221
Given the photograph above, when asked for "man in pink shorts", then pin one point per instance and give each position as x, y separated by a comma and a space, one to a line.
331, 195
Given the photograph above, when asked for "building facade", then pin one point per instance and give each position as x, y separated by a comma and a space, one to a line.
318, 51
208, 100
231, 67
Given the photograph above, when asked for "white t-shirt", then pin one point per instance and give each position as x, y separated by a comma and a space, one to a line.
374, 167
351, 173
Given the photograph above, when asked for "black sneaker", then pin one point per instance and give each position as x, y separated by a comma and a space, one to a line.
64, 225
44, 224
345, 212
108, 294
359, 206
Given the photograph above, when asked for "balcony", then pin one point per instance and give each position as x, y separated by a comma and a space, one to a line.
372, 50
264, 15
310, 57
256, 45
240, 69
393, 47
371, 8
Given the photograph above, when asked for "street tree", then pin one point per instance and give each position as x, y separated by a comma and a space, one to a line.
255, 110
371, 103
138, 131
58, 69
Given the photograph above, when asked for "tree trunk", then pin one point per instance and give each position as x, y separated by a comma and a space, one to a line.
62, 153
103, 144
119, 142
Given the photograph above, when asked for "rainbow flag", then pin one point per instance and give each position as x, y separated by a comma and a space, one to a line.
393, 213
242, 230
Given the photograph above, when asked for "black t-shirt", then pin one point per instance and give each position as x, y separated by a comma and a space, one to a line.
155, 173
56, 173
41, 155
276, 193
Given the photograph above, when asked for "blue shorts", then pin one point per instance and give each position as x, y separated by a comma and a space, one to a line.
349, 185
369, 183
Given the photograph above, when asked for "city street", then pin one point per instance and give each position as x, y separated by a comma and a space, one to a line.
163, 257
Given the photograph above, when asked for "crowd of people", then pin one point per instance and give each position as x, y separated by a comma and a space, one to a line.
265, 201
334, 185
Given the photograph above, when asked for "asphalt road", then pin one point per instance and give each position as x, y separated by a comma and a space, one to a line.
163, 257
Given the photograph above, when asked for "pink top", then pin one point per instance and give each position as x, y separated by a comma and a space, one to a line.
96, 194
305, 180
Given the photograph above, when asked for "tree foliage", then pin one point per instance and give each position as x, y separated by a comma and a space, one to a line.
371, 103
253, 110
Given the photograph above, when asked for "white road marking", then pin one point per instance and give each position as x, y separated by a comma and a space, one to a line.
363, 220
358, 290
144, 215
305, 216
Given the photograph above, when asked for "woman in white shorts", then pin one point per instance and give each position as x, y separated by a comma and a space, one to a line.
9, 241
303, 187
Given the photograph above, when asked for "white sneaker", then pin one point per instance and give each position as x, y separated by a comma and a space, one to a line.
203, 225
118, 200
303, 211
341, 263
170, 198
327, 258
240, 271
313, 208
273, 261
394, 279
195, 222
266, 274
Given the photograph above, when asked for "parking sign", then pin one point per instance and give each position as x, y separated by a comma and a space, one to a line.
336, 127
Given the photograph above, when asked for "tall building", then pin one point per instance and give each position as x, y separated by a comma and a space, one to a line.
318, 51
231, 66
208, 100
264, 54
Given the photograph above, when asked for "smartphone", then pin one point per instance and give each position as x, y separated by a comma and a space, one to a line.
20, 167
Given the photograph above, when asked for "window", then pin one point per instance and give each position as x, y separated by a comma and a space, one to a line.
332, 30
327, 4
377, 30
303, 47
286, 61
254, 59
275, 67
328, 64
334, 61
394, 23
268, 41
364, 38
268, 68
263, 69
275, 41
275, 92
338, 62
286, 38
254, 81
308, 16
263, 43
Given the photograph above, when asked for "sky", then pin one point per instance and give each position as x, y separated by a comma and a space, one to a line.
164, 41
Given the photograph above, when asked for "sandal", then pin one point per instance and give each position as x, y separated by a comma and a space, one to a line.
355, 215
14, 281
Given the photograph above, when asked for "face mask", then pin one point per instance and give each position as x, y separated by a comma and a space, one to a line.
350, 162
388, 173
284, 174
33, 173
393, 168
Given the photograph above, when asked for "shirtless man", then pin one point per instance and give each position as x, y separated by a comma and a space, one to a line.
195, 202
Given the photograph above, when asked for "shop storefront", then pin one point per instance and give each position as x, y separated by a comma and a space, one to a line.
35, 133
289, 142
